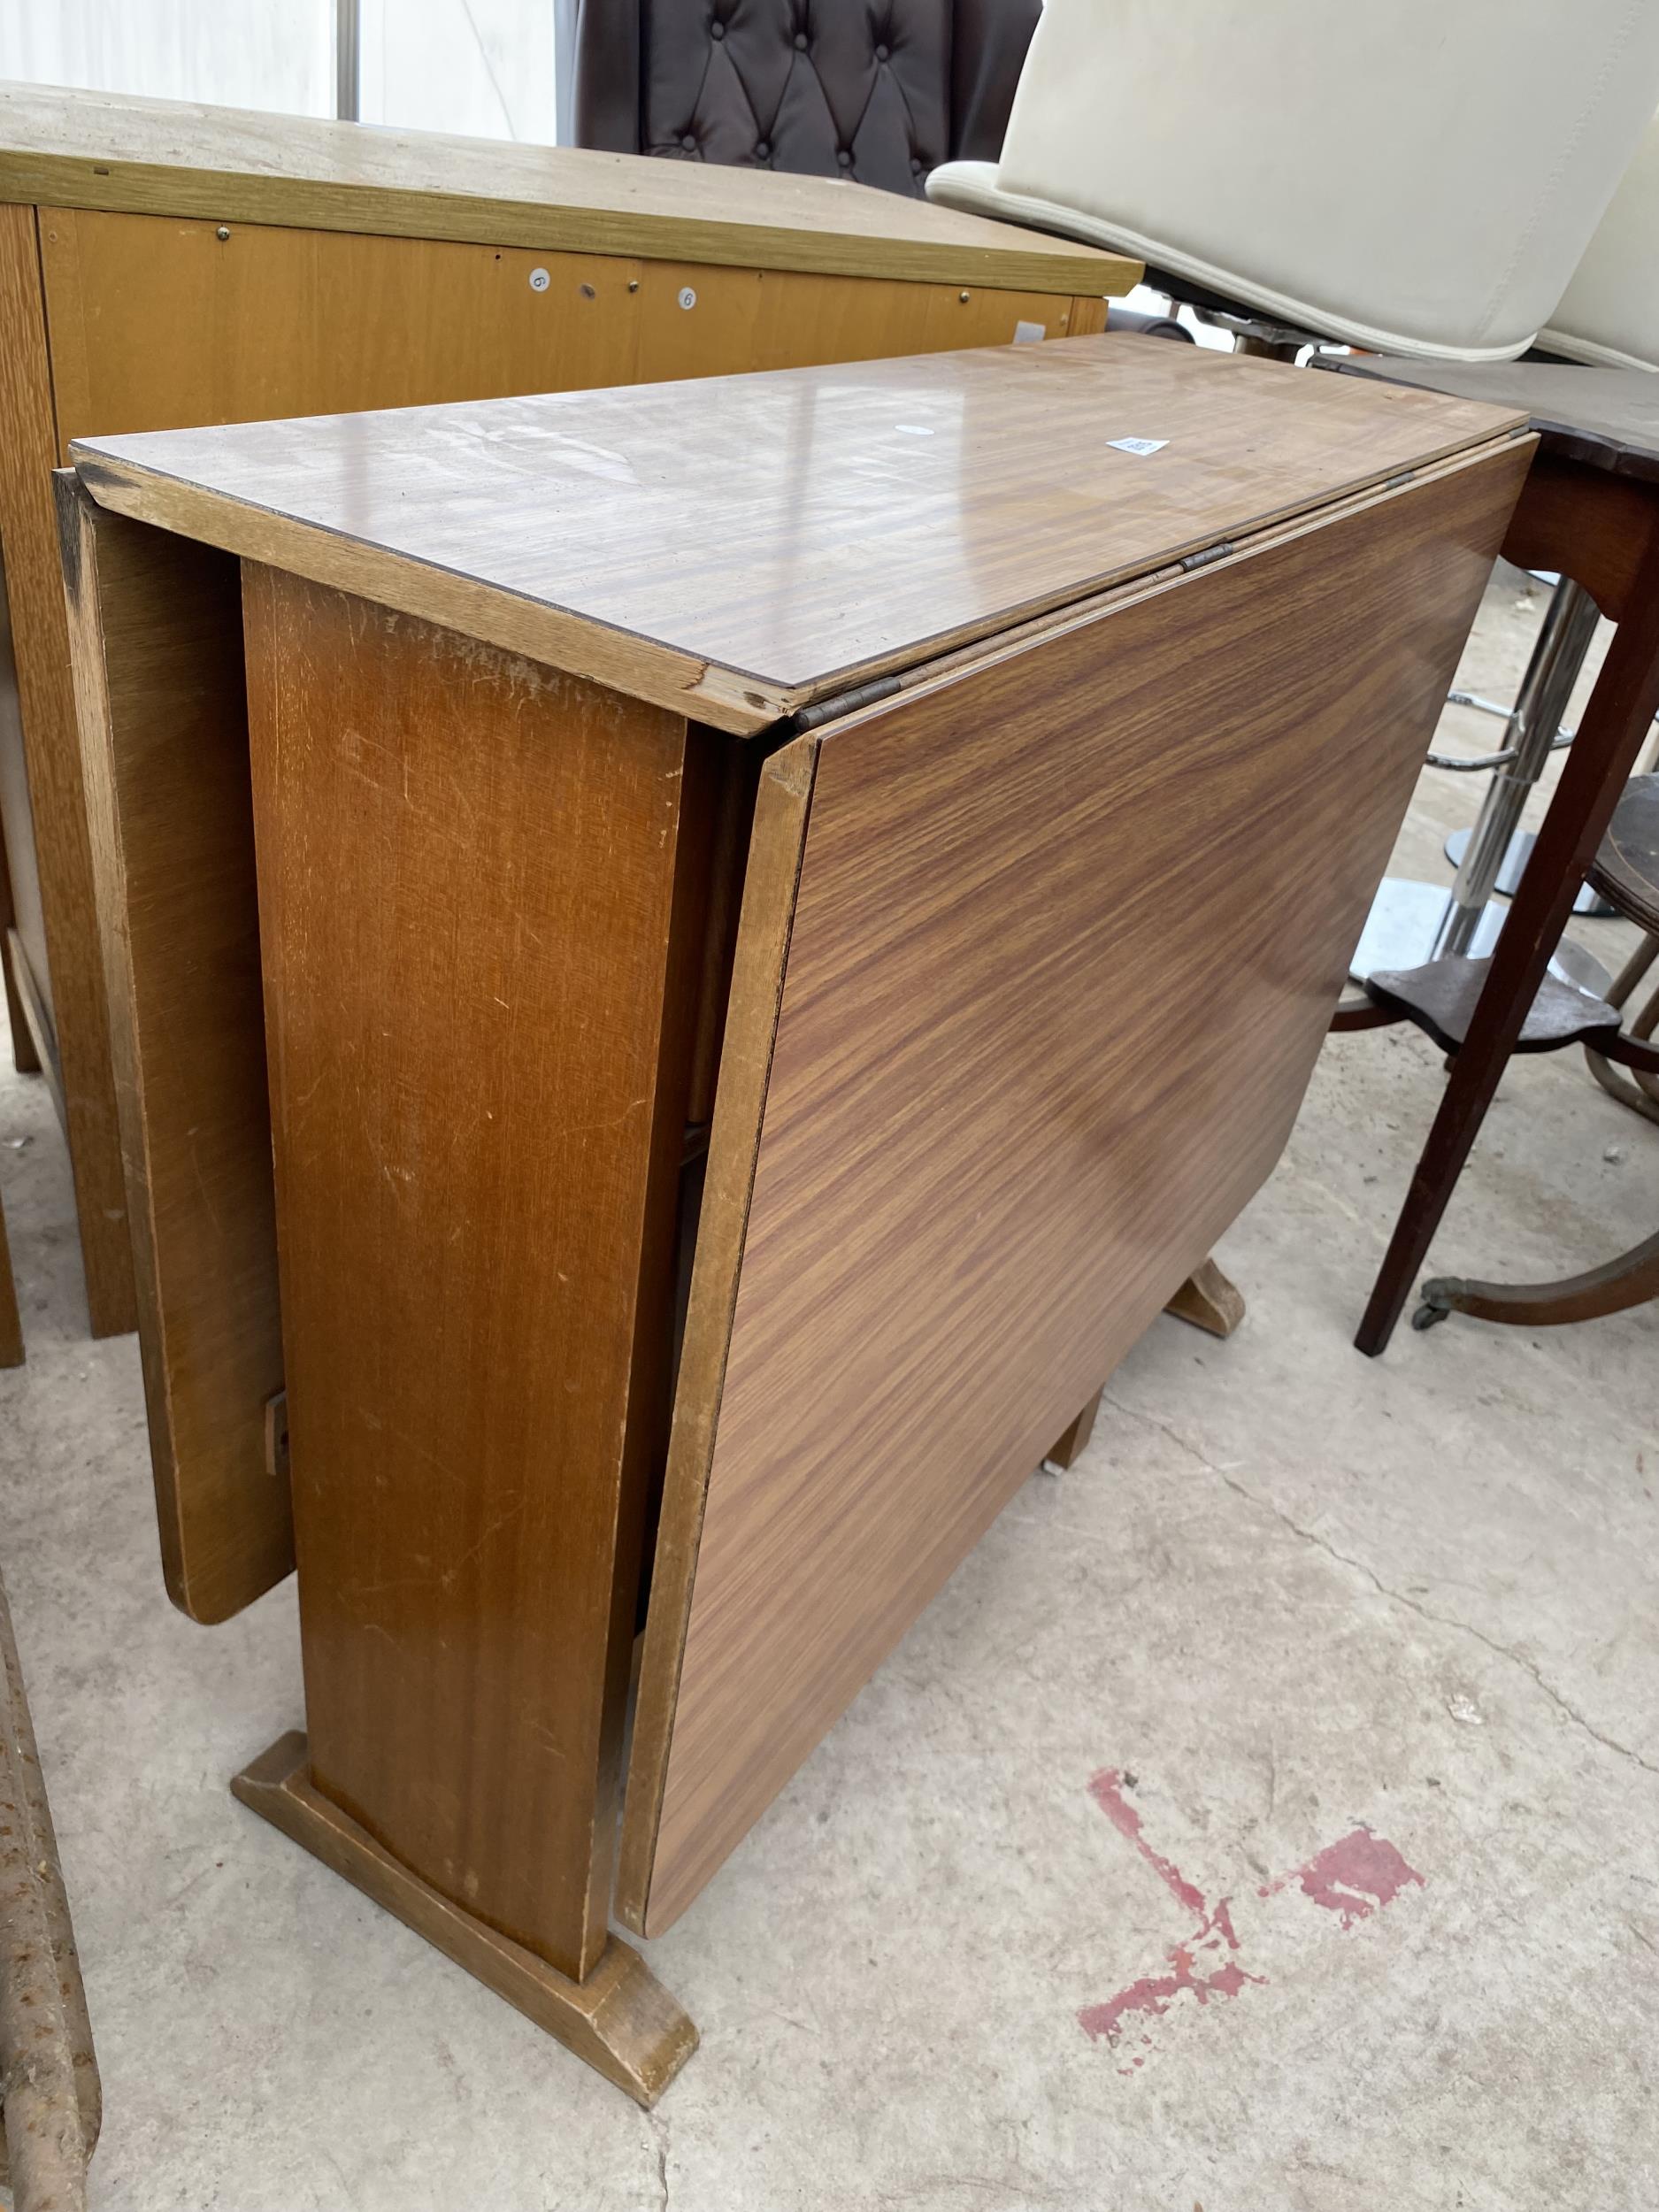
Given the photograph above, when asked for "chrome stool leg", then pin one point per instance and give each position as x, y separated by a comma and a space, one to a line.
1530, 734
1421, 922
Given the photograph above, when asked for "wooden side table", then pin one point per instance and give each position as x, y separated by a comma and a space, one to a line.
164, 265
701, 859
1590, 511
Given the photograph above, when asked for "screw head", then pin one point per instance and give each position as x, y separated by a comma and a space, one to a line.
964, 296
223, 232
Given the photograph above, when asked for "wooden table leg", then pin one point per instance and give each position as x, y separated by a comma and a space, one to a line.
1209, 1300
1073, 1441
482, 910
1609, 740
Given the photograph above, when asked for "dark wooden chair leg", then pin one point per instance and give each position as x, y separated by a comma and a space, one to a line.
1630, 1280
1609, 740
1639, 1093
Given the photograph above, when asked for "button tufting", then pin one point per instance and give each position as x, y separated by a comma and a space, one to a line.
917, 165
844, 158
689, 142
763, 149
799, 41
884, 53
717, 30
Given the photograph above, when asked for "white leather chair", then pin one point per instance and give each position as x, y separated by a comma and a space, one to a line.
1608, 319
1412, 176
1608, 316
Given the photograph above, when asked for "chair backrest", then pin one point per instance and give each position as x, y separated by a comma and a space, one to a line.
1609, 314
880, 91
1421, 174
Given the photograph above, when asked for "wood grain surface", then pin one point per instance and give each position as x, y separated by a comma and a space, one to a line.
619, 2019
99, 149
741, 547
158, 322
157, 625
54, 906
1066, 937
476, 879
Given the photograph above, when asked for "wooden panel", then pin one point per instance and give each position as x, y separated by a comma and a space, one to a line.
176, 159
479, 1048
1066, 938
157, 323
35, 592
744, 546
23, 903
158, 644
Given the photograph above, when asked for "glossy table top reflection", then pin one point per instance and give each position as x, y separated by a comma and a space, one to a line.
803, 529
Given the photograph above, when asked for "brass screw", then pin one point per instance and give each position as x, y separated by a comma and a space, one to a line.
963, 297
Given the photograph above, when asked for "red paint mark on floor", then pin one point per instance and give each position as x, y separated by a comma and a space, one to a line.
1107, 1789
1152, 1994
1354, 1877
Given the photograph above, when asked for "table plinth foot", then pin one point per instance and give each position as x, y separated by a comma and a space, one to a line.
1209, 1301
621, 2019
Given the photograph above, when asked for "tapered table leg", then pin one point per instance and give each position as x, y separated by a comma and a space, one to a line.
1073, 1441
1602, 755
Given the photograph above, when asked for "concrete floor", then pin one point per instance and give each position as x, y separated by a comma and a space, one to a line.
1365, 1652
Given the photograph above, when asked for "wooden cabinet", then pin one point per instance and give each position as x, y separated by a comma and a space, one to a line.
164, 265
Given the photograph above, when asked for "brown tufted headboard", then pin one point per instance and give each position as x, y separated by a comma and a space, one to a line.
878, 90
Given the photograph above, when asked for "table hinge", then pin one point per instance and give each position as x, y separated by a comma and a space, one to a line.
1393, 483
1216, 552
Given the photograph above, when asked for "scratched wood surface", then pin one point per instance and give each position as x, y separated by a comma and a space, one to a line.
480, 894
741, 546
1067, 933
110, 150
